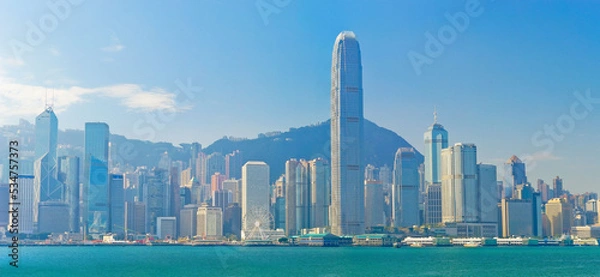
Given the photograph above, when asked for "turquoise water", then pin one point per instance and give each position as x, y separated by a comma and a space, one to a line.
300, 261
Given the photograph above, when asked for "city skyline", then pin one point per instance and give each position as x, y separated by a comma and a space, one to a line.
482, 93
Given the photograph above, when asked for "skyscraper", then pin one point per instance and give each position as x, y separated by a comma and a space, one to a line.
557, 186
347, 189
46, 187
320, 189
255, 196
195, 149
290, 197
209, 222
560, 216
459, 184
68, 175
514, 174
156, 193
95, 177
405, 189
488, 193
26, 209
215, 162
116, 207
233, 165
436, 139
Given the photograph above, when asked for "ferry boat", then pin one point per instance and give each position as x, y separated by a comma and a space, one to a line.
416, 245
471, 244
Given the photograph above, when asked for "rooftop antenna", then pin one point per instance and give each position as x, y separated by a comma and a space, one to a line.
434, 115
46, 101
52, 105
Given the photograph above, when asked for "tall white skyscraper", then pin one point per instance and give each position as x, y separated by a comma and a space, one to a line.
255, 195
405, 189
347, 190
459, 184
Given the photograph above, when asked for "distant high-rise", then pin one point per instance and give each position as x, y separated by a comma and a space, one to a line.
68, 175
320, 189
255, 196
233, 165
405, 189
26, 209
47, 188
195, 149
557, 186
188, 221
374, 203
459, 184
436, 139
95, 177
560, 217
347, 184
215, 162
290, 197
544, 190
116, 207
156, 193
210, 222
488, 193
54, 217
166, 227
514, 174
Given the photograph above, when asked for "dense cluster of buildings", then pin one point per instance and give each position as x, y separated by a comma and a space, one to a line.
216, 196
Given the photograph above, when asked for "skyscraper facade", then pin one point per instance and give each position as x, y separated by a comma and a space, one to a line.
95, 177
557, 186
347, 189
436, 139
215, 162
459, 184
255, 195
514, 174
116, 195
233, 165
68, 175
560, 217
320, 189
46, 185
488, 193
405, 189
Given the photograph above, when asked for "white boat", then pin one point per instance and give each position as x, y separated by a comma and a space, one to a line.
416, 244
472, 244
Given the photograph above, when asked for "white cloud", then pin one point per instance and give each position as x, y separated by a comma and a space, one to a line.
21, 100
541, 156
115, 44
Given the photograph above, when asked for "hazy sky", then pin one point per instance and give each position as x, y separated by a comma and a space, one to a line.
183, 71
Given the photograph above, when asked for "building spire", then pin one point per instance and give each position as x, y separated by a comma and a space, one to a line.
434, 115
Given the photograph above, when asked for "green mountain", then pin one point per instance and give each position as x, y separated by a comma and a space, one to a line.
310, 142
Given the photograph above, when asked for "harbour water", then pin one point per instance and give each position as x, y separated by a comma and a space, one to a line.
303, 261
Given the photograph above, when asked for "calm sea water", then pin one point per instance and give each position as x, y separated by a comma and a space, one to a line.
300, 261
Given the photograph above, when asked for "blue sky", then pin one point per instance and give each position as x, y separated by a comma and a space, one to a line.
183, 71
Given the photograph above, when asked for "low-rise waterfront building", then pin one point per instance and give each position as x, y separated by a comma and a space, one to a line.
373, 240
